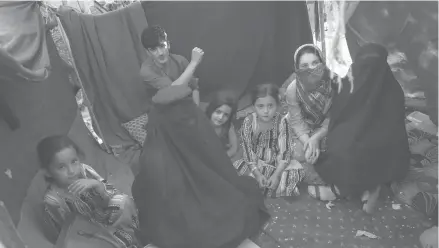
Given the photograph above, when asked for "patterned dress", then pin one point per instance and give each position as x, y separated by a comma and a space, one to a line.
119, 217
306, 116
267, 149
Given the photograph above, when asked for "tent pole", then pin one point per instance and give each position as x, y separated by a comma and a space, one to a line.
92, 115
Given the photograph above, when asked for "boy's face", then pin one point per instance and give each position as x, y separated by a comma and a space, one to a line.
65, 167
161, 53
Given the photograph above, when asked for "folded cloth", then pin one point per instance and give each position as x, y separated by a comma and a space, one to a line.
426, 203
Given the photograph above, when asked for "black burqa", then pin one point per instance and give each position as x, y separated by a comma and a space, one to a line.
188, 192
367, 139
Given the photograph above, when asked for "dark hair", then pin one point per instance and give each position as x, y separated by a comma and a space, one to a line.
305, 50
263, 90
218, 101
152, 36
48, 147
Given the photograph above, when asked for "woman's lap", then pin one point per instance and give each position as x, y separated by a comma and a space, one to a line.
187, 186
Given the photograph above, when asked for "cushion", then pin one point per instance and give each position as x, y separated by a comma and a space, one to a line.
137, 128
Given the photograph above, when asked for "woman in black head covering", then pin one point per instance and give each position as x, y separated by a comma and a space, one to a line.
187, 192
367, 140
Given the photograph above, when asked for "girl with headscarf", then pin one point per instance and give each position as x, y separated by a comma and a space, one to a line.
308, 96
367, 144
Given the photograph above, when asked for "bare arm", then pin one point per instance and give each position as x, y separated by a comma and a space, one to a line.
193, 84
187, 75
321, 133
196, 97
295, 118
172, 91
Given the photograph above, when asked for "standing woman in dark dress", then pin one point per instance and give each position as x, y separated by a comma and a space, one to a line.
367, 143
187, 192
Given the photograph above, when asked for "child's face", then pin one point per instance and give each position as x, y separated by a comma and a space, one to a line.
265, 108
65, 167
221, 115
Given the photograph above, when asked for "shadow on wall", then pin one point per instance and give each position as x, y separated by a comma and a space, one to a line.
409, 30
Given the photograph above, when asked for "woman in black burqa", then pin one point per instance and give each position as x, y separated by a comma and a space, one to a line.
367, 140
187, 192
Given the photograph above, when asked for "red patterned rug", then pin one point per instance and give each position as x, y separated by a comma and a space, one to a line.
307, 223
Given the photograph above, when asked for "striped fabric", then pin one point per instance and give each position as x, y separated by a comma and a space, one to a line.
315, 104
268, 149
119, 217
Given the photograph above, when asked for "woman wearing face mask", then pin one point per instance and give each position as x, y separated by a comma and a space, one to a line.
308, 95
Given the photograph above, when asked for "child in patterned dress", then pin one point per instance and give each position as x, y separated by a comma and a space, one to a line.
76, 188
266, 147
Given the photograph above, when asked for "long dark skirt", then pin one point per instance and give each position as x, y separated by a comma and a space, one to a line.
367, 142
187, 192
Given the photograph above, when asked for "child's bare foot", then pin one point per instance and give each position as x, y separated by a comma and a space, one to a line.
370, 199
429, 239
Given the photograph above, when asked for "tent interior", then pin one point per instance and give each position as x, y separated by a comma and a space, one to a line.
246, 43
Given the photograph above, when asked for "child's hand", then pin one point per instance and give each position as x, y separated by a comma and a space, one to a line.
82, 185
312, 149
260, 178
273, 181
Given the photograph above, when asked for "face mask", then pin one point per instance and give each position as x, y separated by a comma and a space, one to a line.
311, 78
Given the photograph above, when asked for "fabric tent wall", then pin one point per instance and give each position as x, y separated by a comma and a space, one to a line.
108, 54
409, 27
245, 43
43, 108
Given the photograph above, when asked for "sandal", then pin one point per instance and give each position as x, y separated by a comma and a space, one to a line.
331, 192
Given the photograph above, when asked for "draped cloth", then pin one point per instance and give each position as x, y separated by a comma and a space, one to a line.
43, 109
23, 49
367, 141
108, 54
187, 192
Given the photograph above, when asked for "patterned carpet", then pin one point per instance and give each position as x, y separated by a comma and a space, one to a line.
304, 222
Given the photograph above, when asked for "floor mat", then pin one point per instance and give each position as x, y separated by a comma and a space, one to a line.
306, 223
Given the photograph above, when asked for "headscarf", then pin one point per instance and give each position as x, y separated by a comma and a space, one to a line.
371, 72
314, 88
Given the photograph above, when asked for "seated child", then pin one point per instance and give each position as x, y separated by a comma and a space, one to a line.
266, 146
221, 111
76, 188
